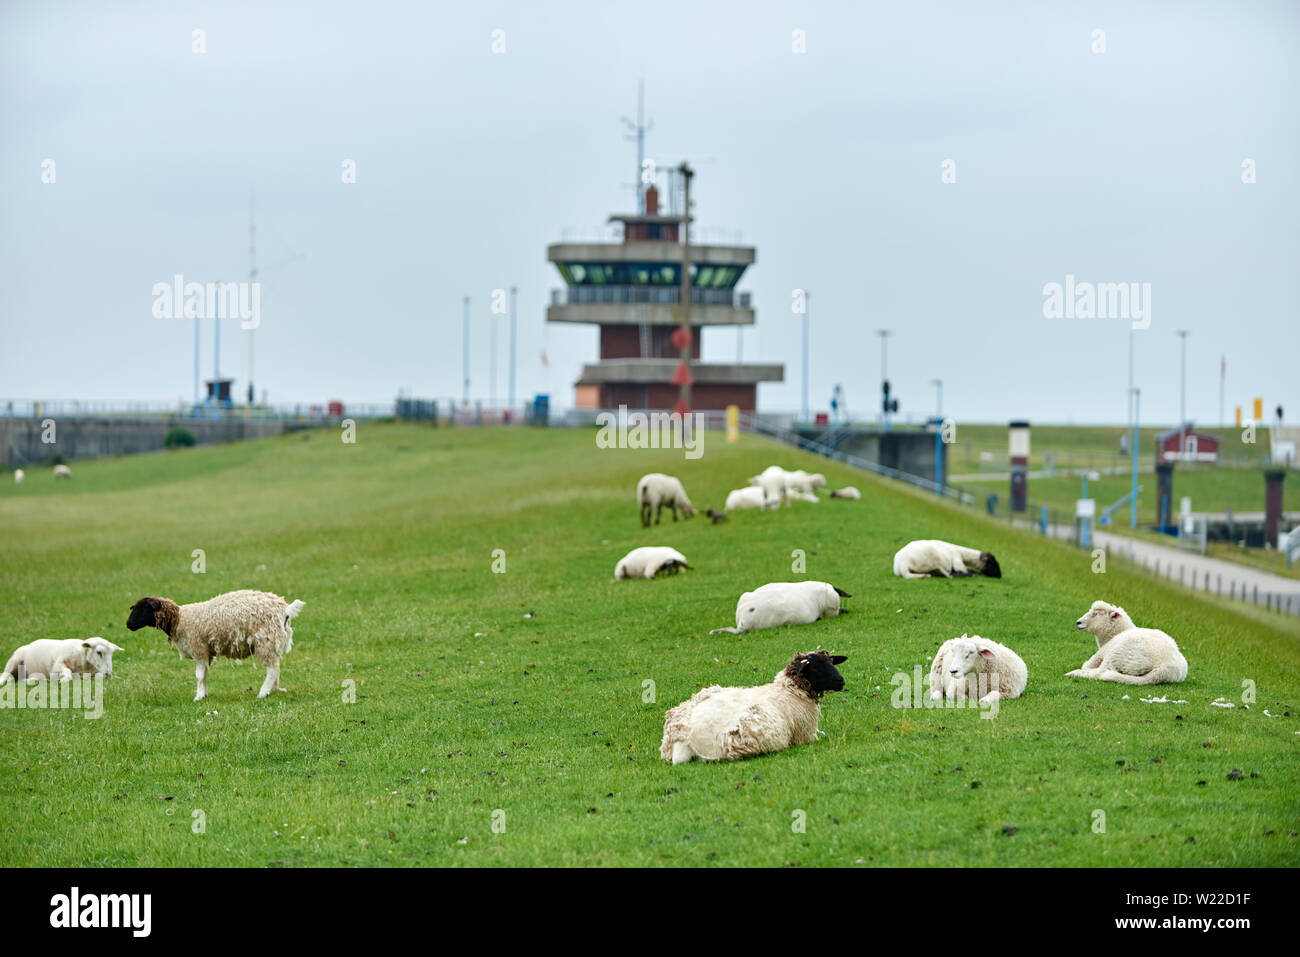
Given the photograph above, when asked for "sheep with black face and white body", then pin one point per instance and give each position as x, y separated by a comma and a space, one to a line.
930, 557
723, 724
236, 624
1127, 654
60, 658
785, 603
650, 561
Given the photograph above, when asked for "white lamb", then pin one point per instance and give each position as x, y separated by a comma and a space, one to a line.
656, 490
234, 625
848, 491
749, 497
722, 724
19, 475
649, 561
801, 481
60, 658
785, 603
62, 471
775, 483
1127, 654
931, 557
997, 667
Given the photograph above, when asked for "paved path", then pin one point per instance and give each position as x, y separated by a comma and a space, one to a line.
1200, 572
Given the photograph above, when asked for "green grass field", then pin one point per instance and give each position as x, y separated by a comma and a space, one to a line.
518, 699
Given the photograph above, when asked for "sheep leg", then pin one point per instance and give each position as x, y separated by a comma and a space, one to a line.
645, 514
272, 679
682, 752
659, 510
673, 506
201, 679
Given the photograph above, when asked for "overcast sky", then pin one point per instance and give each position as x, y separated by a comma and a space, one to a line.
1117, 166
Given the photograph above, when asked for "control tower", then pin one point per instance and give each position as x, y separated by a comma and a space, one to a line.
633, 291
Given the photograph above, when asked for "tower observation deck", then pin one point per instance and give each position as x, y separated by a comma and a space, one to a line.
633, 291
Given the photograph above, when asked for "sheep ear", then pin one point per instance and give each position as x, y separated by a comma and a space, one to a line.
986, 652
838, 659
86, 644
1114, 615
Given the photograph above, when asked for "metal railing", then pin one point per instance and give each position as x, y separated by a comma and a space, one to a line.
646, 295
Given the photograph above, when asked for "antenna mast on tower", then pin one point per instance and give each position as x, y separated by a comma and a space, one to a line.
637, 130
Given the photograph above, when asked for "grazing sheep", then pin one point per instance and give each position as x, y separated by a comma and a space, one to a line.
62, 471
656, 490
972, 655
930, 557
749, 497
722, 724
233, 625
785, 603
650, 561
60, 658
847, 492
19, 475
715, 516
775, 483
1128, 654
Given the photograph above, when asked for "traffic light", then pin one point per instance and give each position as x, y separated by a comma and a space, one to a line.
887, 404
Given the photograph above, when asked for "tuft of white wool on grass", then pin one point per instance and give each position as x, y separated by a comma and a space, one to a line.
1160, 700
749, 497
1003, 671
931, 557
849, 491
236, 624
656, 490
1128, 654
785, 603
60, 658
723, 724
62, 471
1222, 703
19, 475
650, 561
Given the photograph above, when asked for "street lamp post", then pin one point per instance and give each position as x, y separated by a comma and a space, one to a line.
1182, 397
938, 435
465, 366
884, 379
806, 297
1133, 491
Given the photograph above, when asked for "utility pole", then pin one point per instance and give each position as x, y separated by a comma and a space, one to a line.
1133, 491
684, 389
196, 365
806, 297
938, 435
252, 278
1130, 376
465, 341
1182, 397
938, 402
514, 295
492, 358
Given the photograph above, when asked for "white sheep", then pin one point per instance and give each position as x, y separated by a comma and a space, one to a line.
722, 724
997, 667
62, 471
19, 475
848, 491
1128, 654
804, 497
775, 483
233, 625
749, 497
649, 561
801, 481
931, 557
60, 658
785, 603
656, 490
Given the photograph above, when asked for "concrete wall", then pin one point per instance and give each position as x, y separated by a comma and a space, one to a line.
90, 437
906, 451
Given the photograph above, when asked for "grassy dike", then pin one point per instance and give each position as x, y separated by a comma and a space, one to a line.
519, 699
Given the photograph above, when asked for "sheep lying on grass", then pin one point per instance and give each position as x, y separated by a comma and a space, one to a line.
1127, 654
997, 667
656, 490
234, 625
749, 497
650, 561
931, 557
62, 471
722, 724
785, 603
60, 658
848, 491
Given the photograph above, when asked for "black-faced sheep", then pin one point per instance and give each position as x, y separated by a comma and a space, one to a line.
929, 557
